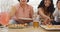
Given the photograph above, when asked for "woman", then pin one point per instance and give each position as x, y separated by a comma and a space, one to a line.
56, 14
46, 8
22, 10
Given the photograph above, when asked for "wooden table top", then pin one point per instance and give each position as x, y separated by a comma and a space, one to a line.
30, 29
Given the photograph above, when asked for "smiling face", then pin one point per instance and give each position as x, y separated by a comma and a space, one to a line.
23, 1
47, 3
58, 4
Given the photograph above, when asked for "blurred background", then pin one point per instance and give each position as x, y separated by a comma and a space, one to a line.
5, 5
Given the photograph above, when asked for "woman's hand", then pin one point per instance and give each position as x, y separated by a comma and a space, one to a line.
47, 21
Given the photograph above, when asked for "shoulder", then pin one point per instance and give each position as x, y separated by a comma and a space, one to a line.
16, 5
41, 8
31, 7
56, 9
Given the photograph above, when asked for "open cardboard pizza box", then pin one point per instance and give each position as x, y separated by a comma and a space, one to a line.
51, 27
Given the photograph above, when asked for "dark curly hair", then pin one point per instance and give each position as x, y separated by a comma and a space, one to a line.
50, 9
27, 0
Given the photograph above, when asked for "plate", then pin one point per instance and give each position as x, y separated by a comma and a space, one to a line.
51, 27
26, 18
15, 26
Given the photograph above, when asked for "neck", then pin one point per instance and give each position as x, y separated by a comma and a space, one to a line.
23, 5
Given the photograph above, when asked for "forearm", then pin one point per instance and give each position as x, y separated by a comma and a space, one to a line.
12, 12
44, 16
55, 13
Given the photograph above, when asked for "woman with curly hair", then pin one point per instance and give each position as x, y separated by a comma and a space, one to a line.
46, 8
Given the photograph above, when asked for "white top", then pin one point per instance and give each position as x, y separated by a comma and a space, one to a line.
56, 14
